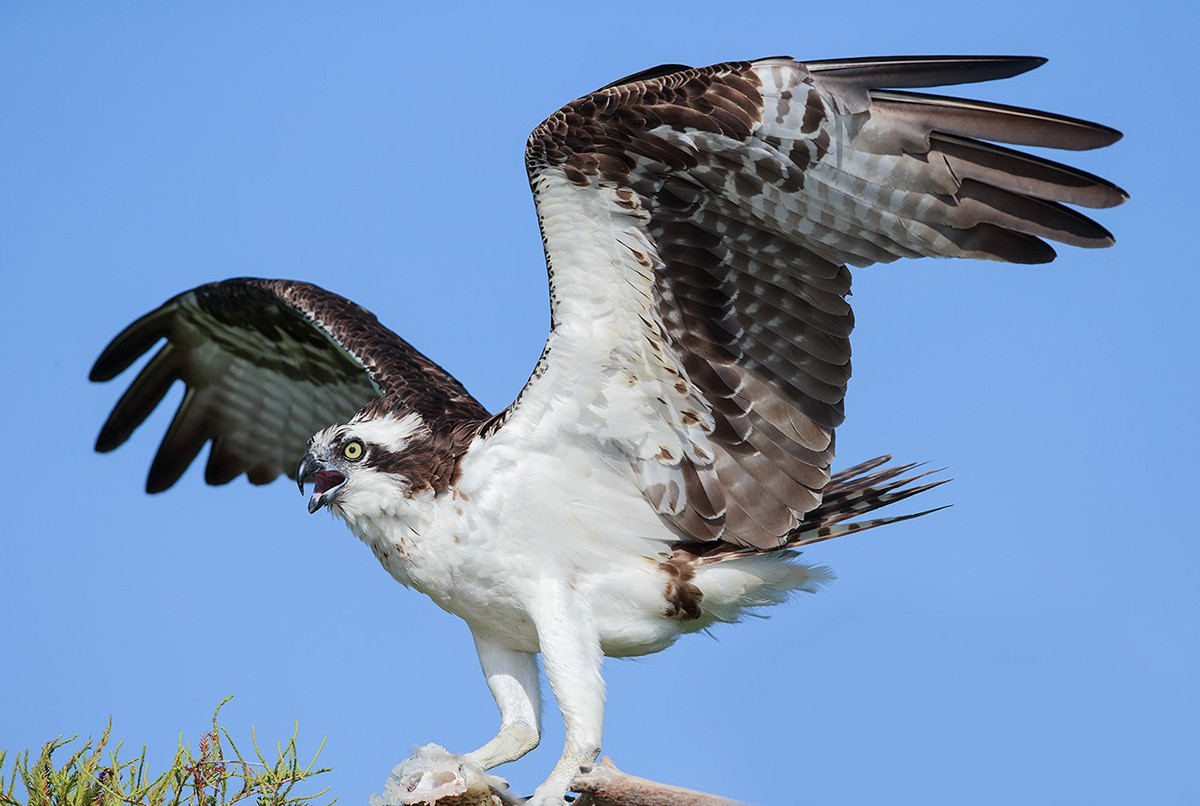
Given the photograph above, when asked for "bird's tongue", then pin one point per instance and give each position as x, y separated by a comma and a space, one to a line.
327, 480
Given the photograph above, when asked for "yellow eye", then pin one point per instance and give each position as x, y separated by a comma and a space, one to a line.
353, 450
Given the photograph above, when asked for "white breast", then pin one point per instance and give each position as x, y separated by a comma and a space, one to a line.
519, 518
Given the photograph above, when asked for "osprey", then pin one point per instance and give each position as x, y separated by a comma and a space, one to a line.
673, 446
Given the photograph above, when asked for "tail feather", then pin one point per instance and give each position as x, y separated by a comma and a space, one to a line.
733, 580
835, 494
867, 497
863, 467
851, 492
858, 490
837, 530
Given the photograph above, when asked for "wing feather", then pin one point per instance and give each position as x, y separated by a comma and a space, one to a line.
1023, 173
733, 197
990, 121
265, 364
143, 395
921, 71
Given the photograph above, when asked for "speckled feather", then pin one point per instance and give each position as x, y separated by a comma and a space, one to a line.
755, 184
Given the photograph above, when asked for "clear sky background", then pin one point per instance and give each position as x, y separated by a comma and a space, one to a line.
1036, 643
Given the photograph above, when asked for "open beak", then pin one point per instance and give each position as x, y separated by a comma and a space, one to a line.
326, 481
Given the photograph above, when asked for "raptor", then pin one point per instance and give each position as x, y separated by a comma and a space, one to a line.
673, 446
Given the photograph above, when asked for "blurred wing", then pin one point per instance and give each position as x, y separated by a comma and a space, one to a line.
697, 226
266, 364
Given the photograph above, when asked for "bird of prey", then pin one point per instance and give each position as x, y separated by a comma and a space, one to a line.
673, 445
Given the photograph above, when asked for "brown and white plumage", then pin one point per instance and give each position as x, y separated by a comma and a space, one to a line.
745, 189
679, 428
267, 363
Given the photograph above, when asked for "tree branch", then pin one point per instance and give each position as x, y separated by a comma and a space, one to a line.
433, 776
605, 785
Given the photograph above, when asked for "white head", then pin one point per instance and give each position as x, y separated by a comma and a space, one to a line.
359, 467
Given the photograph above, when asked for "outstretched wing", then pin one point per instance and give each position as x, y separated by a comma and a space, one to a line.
698, 224
266, 364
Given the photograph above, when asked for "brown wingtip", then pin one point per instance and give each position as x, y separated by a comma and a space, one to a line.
1104, 135
131, 343
924, 71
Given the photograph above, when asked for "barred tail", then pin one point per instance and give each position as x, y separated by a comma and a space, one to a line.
851, 492
729, 580
857, 490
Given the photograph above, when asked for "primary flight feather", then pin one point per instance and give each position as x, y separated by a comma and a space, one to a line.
674, 442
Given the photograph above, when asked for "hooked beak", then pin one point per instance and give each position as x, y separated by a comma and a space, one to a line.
326, 481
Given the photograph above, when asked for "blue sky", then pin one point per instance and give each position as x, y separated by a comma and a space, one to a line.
1037, 642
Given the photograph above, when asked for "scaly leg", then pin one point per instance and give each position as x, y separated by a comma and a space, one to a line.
570, 647
513, 678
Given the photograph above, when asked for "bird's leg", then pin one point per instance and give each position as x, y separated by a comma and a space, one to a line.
570, 647
513, 678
